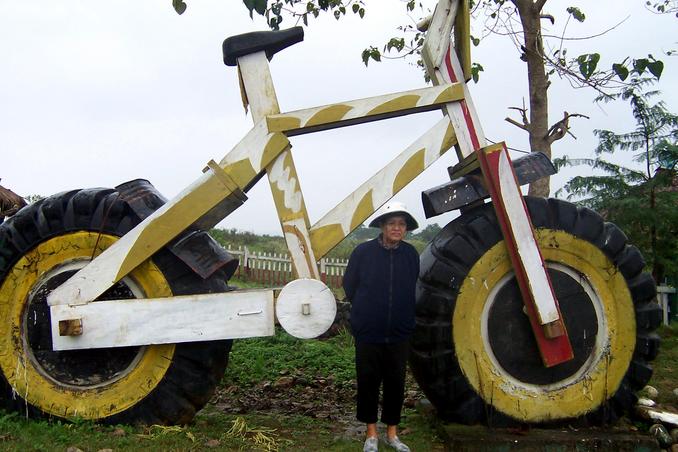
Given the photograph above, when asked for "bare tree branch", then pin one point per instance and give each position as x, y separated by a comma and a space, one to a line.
525, 125
517, 124
559, 129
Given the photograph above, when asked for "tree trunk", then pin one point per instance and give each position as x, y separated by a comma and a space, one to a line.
657, 267
538, 128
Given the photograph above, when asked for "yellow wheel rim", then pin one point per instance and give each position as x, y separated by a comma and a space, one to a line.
600, 375
21, 369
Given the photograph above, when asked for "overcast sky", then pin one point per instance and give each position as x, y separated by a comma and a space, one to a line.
98, 93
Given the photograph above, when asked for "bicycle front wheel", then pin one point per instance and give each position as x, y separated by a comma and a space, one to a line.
474, 354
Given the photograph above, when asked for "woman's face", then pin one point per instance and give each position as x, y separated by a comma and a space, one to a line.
394, 229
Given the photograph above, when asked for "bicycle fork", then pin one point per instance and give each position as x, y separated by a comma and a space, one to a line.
443, 66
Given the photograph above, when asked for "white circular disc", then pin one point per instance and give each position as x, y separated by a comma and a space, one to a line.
306, 308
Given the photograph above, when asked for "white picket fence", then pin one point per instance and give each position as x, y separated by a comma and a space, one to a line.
276, 269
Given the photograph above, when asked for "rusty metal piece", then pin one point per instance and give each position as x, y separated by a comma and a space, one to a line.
10, 202
70, 327
554, 329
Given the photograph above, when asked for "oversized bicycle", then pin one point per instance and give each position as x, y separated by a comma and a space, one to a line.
115, 305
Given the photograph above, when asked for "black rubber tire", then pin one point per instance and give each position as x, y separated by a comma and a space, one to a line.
437, 358
191, 370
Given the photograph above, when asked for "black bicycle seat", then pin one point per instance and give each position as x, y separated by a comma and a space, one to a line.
256, 41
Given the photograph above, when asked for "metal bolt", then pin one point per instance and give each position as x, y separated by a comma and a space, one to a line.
306, 309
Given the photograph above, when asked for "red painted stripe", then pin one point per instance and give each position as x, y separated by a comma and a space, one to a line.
464, 108
448, 64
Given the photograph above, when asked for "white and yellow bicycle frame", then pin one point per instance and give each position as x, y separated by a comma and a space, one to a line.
306, 307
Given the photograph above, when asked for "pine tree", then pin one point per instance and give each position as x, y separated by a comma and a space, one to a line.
644, 201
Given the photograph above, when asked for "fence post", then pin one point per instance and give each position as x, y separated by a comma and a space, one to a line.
663, 300
246, 261
323, 270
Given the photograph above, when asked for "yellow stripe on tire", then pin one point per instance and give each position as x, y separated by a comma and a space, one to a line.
599, 377
20, 368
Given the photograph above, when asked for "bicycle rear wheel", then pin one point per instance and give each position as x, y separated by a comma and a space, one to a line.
42, 246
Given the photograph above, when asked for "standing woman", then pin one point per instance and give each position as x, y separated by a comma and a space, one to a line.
379, 282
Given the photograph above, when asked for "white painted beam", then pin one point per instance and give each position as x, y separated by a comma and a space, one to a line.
207, 317
364, 110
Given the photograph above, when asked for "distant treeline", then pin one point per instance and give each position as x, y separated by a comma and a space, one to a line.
232, 238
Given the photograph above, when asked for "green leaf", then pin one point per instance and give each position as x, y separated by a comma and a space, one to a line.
576, 13
371, 53
588, 63
366, 56
621, 71
656, 68
361, 12
274, 23
397, 43
260, 6
355, 8
639, 65
256, 5
476, 69
179, 6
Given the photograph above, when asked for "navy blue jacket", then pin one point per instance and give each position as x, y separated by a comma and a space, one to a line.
380, 285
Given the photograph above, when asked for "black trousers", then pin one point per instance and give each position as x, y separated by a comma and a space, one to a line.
377, 365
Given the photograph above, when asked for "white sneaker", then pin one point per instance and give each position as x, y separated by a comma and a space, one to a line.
371, 444
398, 445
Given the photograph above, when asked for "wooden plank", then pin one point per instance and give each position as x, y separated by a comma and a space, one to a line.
382, 186
207, 317
527, 261
364, 110
437, 38
462, 114
281, 171
443, 66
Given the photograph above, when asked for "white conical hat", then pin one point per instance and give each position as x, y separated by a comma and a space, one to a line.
394, 208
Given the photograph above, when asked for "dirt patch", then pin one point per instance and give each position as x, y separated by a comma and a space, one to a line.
301, 394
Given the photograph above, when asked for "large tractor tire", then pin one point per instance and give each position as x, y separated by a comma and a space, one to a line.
42, 246
474, 354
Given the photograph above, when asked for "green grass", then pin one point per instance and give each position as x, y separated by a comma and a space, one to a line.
666, 365
211, 430
265, 359
30, 435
